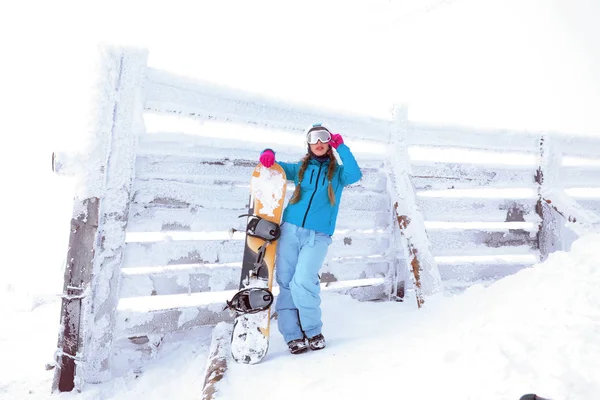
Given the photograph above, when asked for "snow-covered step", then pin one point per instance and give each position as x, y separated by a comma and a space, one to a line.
193, 278
477, 209
445, 175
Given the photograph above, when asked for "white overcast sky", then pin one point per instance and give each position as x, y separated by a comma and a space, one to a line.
525, 64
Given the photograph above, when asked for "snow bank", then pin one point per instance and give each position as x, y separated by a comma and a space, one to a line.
535, 331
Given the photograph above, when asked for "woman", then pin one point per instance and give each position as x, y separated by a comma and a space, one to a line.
307, 225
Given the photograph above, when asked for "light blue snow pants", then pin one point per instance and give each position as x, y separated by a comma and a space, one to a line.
300, 255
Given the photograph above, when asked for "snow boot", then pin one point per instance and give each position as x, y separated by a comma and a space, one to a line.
316, 342
298, 346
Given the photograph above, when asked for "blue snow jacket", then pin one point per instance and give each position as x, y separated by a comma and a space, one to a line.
314, 211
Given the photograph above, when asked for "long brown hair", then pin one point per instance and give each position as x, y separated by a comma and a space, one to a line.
330, 171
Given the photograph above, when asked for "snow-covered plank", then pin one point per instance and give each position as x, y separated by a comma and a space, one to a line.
582, 146
230, 196
572, 176
157, 219
162, 314
205, 278
439, 176
171, 252
187, 145
481, 242
485, 139
135, 323
452, 209
202, 170
343, 269
590, 204
167, 92
473, 272
179, 279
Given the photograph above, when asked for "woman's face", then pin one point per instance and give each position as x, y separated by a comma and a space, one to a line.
319, 148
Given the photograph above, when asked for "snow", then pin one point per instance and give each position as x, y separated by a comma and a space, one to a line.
535, 331
267, 188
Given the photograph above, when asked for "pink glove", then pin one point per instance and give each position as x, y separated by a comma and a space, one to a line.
336, 140
267, 158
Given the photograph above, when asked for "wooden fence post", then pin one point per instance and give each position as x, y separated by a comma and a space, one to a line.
78, 272
423, 268
98, 236
549, 234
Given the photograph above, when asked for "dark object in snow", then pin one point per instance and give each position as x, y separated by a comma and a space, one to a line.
532, 397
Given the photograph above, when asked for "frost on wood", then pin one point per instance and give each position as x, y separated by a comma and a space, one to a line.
267, 189
170, 93
76, 294
410, 218
117, 133
217, 360
556, 207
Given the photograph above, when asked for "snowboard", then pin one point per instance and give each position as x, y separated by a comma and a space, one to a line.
250, 335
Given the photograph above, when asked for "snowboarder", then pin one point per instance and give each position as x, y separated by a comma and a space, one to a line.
307, 226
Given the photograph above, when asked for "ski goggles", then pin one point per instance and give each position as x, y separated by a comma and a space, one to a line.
318, 133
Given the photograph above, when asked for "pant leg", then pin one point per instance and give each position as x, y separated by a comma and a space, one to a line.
305, 285
288, 247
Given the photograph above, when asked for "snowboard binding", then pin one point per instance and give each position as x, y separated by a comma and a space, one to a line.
269, 232
262, 228
251, 300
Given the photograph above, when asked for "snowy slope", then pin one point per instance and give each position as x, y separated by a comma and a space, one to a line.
535, 331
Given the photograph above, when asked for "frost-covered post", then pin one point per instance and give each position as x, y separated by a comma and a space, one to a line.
100, 214
549, 235
424, 270
554, 204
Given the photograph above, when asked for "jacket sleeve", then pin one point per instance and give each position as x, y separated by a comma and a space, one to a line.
291, 170
350, 172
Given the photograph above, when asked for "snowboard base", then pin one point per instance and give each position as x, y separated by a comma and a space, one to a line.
250, 336
250, 339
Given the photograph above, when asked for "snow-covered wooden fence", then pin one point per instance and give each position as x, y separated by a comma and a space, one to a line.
170, 172
165, 252
487, 211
